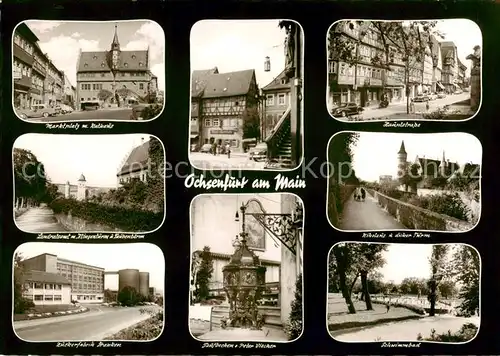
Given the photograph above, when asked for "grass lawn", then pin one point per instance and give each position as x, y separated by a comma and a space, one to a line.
339, 318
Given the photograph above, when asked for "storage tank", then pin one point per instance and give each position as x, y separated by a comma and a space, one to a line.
144, 283
128, 277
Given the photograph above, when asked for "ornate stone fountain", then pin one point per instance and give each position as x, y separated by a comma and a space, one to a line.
244, 282
475, 78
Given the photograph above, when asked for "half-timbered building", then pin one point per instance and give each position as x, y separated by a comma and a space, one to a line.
223, 104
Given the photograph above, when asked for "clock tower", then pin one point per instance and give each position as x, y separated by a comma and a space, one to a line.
115, 51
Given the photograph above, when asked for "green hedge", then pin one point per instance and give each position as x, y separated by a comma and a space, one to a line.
121, 218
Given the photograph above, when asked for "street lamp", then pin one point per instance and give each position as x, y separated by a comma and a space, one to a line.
267, 64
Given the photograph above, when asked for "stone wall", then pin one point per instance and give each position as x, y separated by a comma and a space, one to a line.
416, 218
344, 192
73, 223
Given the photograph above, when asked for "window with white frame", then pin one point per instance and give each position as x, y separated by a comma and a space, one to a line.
208, 122
270, 99
281, 99
38, 297
215, 122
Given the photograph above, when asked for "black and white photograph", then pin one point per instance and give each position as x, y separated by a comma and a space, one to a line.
77, 292
404, 292
391, 181
404, 70
246, 95
88, 183
246, 267
88, 70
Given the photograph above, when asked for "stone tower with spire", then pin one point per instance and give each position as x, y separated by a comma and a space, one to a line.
402, 160
81, 193
442, 165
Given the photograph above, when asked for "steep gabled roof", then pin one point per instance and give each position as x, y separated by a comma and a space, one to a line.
199, 80
136, 160
277, 83
97, 61
229, 84
44, 277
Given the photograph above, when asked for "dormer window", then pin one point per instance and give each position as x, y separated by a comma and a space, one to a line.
94, 58
133, 56
140, 64
102, 65
85, 65
125, 64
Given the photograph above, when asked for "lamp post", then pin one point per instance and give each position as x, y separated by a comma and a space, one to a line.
261, 103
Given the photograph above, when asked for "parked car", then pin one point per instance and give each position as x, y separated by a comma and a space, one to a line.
65, 109
441, 95
37, 111
458, 91
420, 99
194, 147
258, 153
347, 109
466, 90
432, 96
206, 148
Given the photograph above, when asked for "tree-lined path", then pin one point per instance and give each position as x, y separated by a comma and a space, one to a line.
39, 220
367, 215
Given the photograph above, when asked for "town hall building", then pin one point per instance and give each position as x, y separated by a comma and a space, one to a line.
115, 76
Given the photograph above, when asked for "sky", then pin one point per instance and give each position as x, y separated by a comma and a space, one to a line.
406, 260
233, 45
65, 157
142, 256
375, 154
62, 41
465, 34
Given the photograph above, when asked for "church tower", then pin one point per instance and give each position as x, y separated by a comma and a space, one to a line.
81, 193
115, 45
402, 160
442, 165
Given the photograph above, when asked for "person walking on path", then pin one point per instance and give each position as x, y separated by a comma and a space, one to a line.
363, 194
228, 150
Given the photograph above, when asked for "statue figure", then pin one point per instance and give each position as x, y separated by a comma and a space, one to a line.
289, 47
476, 60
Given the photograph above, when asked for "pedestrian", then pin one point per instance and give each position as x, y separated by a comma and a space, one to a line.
228, 150
214, 149
363, 194
388, 306
427, 106
412, 107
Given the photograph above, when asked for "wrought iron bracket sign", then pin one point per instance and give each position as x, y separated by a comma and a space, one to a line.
281, 226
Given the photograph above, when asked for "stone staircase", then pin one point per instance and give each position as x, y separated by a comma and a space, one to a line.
272, 316
280, 145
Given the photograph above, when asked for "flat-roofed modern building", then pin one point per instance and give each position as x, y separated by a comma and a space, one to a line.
45, 288
86, 281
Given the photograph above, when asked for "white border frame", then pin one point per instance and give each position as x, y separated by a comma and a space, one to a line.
76, 84
76, 341
415, 340
303, 56
91, 232
401, 120
254, 195
404, 230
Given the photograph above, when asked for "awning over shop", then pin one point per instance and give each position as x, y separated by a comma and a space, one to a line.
440, 85
193, 136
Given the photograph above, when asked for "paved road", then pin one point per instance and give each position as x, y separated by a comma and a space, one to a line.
408, 330
94, 325
39, 220
90, 115
400, 107
237, 161
367, 215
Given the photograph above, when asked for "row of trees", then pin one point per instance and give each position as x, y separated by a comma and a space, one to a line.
31, 183
21, 304
402, 43
451, 178
130, 297
202, 269
340, 155
448, 268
